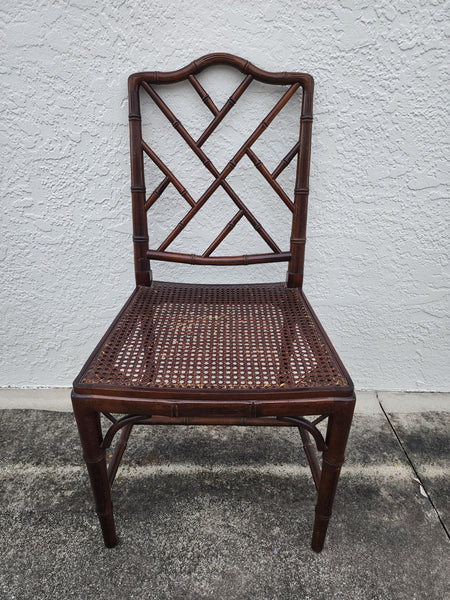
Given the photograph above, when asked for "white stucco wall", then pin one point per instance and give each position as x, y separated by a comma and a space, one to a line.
377, 252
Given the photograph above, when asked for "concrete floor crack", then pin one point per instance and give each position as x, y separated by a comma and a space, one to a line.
413, 467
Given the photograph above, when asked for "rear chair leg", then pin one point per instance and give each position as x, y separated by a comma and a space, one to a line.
333, 458
90, 432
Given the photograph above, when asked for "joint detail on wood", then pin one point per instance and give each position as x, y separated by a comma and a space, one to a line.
126, 420
310, 427
322, 517
93, 461
332, 464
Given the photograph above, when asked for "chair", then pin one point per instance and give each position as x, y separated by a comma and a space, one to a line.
193, 354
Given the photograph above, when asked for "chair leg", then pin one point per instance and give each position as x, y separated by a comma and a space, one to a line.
333, 458
89, 429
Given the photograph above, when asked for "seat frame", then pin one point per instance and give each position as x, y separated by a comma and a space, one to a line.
272, 407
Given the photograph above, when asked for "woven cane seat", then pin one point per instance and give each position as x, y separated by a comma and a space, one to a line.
216, 337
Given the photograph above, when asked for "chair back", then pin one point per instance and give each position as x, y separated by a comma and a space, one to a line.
221, 179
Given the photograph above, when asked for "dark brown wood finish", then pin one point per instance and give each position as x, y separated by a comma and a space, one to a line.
185, 354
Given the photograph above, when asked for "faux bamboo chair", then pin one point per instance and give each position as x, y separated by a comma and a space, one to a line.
192, 354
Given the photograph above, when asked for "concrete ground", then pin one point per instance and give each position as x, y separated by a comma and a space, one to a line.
226, 513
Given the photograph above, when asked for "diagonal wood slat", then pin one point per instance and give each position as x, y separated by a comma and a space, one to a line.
157, 193
286, 160
222, 235
225, 109
168, 173
272, 182
203, 94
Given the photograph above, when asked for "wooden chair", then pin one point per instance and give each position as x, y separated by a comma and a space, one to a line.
192, 354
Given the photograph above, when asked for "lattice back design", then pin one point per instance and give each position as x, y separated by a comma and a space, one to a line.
142, 201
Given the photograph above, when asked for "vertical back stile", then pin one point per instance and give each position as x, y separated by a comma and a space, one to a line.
140, 227
298, 235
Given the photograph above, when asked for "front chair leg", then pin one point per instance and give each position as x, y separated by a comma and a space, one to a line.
89, 428
333, 458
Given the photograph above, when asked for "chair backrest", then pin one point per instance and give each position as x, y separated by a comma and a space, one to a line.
140, 149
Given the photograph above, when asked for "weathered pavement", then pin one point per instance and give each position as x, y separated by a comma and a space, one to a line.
226, 513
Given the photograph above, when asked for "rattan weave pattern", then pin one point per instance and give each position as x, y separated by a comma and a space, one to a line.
242, 337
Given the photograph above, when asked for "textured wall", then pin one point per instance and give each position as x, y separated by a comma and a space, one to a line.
377, 255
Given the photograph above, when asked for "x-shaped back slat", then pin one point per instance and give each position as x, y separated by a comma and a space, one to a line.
208, 131
220, 177
250, 153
